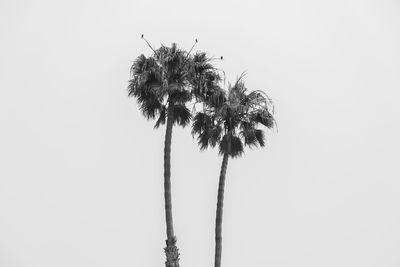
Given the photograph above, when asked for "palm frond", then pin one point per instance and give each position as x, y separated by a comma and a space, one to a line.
208, 131
260, 137
264, 117
216, 99
201, 122
178, 93
214, 134
232, 145
181, 115
138, 65
249, 134
203, 76
201, 63
162, 117
203, 140
150, 107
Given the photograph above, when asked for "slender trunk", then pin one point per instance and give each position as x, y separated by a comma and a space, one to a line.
171, 251
220, 204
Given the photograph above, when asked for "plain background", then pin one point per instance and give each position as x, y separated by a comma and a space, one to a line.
81, 169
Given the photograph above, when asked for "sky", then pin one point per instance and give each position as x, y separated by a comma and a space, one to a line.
81, 169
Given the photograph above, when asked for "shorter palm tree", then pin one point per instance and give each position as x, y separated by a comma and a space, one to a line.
231, 119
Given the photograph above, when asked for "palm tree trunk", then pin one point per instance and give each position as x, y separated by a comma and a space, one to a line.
220, 204
171, 251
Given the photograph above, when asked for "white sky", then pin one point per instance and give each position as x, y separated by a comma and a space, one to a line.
81, 169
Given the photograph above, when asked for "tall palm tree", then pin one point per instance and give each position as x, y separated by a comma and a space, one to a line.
163, 85
231, 119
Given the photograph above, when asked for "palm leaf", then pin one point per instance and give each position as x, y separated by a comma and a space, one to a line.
232, 145
161, 118
181, 115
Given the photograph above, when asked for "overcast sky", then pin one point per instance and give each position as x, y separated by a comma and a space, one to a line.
81, 170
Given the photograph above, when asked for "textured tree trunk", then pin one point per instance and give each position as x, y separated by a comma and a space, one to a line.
220, 204
171, 251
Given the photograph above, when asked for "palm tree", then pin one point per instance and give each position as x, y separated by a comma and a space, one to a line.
163, 84
231, 119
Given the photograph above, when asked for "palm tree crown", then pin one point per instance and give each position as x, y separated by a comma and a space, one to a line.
231, 119
170, 78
